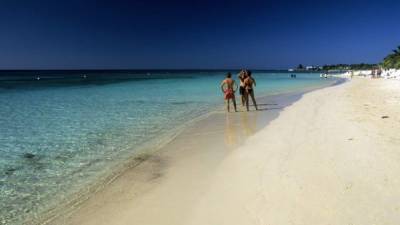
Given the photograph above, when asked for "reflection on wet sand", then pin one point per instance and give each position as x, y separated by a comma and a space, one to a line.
230, 134
249, 123
239, 126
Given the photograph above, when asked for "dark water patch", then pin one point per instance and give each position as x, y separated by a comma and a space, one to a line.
28, 155
158, 102
183, 102
39, 79
10, 171
33, 161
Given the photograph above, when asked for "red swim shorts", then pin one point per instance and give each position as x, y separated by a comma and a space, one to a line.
228, 94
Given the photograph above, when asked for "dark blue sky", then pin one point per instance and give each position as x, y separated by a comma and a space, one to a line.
194, 34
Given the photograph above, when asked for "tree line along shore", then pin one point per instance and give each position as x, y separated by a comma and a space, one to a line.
391, 61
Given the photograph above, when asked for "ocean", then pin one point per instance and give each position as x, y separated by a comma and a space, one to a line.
63, 131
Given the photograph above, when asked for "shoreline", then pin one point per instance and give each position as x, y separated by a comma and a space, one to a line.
108, 173
332, 166
337, 165
139, 159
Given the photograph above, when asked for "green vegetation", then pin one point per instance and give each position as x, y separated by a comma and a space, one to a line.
392, 61
361, 66
340, 67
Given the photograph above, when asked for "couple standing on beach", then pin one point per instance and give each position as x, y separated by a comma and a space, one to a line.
246, 89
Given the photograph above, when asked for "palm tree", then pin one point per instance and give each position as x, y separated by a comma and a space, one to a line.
392, 60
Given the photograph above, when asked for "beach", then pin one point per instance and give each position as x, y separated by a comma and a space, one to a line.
189, 159
66, 136
199, 113
330, 158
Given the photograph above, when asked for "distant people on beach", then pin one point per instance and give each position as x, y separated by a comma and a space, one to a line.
228, 87
249, 82
246, 89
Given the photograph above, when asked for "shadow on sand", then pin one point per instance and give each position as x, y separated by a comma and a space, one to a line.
265, 104
260, 109
265, 109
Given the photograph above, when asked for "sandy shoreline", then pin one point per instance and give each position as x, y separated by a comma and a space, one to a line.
330, 158
228, 130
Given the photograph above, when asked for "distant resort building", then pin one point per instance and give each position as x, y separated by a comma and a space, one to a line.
300, 67
311, 67
389, 68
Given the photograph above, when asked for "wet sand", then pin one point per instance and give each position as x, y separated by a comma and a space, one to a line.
170, 182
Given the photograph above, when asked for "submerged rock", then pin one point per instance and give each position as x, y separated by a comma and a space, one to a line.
10, 171
29, 155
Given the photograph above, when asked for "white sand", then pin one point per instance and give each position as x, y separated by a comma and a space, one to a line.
329, 159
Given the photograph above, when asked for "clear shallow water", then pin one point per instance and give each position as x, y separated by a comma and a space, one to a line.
62, 132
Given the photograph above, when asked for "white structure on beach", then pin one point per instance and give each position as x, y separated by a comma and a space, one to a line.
384, 73
362, 72
391, 74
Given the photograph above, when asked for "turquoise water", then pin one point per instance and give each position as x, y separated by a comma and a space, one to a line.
62, 132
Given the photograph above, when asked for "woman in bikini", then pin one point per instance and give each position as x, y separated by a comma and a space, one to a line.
248, 83
228, 87
242, 77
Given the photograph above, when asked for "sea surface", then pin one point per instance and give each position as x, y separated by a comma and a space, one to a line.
61, 131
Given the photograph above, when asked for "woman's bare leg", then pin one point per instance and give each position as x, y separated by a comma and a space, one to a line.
253, 99
246, 99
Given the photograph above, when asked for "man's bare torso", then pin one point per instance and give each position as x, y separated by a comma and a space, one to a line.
229, 83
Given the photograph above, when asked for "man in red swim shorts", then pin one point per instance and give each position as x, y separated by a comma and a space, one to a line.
228, 87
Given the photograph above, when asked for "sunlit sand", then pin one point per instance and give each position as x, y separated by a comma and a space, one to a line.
330, 158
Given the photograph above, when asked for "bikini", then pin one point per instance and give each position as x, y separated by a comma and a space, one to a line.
248, 88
